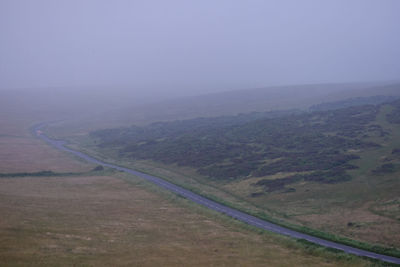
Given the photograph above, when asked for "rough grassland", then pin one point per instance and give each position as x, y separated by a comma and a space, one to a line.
121, 221
105, 221
365, 208
373, 211
25, 154
21, 152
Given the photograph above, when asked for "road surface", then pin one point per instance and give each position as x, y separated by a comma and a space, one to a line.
241, 216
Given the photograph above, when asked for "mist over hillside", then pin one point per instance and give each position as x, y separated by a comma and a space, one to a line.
109, 110
266, 99
85, 109
131, 130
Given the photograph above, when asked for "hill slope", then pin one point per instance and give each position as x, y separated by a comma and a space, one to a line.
123, 109
306, 168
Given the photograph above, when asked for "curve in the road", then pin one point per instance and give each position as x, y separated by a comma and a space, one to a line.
241, 216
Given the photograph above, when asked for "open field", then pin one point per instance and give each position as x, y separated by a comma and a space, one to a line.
315, 206
21, 152
103, 220
26, 154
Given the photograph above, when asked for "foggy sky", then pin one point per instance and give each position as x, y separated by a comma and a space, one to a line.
197, 45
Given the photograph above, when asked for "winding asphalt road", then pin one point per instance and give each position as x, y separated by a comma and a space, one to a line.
241, 216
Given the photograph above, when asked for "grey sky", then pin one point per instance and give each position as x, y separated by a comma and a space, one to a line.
209, 44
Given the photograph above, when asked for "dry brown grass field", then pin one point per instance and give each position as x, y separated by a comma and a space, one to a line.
26, 154
104, 221
119, 220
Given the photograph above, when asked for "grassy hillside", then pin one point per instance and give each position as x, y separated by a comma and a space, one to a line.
109, 111
250, 100
59, 211
334, 170
234, 148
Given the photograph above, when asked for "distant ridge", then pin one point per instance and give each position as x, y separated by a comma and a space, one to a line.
261, 99
225, 104
357, 101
